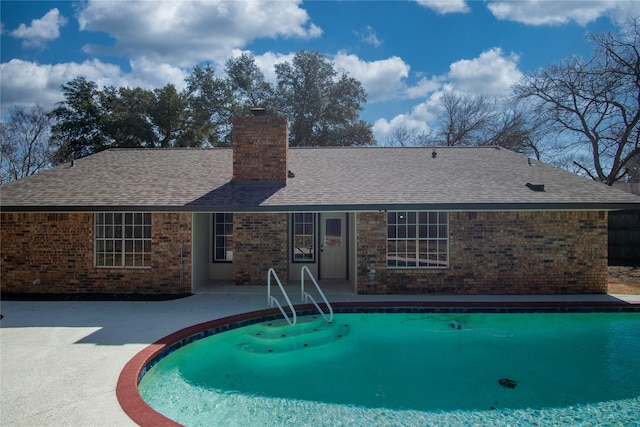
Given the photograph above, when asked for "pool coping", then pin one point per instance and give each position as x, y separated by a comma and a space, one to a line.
144, 415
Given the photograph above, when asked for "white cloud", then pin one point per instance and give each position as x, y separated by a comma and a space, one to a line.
41, 30
27, 83
369, 36
491, 73
445, 6
187, 33
424, 87
544, 12
150, 75
382, 79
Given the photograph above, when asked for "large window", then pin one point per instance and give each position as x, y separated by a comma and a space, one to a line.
304, 237
222, 237
418, 239
122, 239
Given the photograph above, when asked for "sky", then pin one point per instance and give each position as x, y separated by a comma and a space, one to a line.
406, 54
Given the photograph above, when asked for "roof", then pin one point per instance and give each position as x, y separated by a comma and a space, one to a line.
326, 179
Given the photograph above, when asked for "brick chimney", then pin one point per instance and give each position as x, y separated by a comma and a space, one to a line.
260, 145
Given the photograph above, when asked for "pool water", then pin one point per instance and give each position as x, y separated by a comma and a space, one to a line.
407, 369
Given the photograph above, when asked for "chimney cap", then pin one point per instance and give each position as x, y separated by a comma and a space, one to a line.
257, 111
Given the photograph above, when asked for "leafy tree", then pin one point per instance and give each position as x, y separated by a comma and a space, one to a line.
210, 104
24, 143
594, 102
125, 116
78, 130
248, 85
323, 108
89, 120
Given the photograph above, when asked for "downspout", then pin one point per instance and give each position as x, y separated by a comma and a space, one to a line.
181, 267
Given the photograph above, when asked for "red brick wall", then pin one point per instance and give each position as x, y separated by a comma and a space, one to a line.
57, 248
259, 243
260, 149
497, 253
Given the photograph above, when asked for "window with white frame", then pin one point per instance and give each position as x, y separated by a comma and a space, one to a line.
304, 237
417, 239
122, 239
222, 237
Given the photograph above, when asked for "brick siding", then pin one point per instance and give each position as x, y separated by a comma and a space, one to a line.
489, 253
260, 149
57, 248
496, 253
259, 243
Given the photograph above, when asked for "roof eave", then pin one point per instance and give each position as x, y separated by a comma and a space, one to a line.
452, 207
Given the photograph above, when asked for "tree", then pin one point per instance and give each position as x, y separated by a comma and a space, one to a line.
210, 104
91, 120
248, 85
78, 130
513, 129
24, 143
323, 108
405, 137
594, 102
464, 118
125, 119
477, 120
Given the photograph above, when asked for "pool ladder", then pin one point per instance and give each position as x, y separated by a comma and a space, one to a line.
292, 317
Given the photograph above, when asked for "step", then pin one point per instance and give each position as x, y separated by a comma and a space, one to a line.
275, 337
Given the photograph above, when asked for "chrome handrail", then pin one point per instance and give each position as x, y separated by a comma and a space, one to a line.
271, 299
306, 296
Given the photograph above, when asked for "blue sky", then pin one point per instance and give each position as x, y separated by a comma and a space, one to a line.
405, 53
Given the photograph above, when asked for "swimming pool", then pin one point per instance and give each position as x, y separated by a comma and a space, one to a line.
404, 368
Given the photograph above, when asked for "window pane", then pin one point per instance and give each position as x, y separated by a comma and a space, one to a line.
333, 232
391, 218
411, 217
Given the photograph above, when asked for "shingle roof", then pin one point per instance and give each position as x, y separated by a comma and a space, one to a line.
336, 178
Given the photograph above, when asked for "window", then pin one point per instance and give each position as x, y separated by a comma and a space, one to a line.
333, 233
222, 237
418, 239
304, 226
122, 239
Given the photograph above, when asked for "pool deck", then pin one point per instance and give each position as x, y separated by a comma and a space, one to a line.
60, 361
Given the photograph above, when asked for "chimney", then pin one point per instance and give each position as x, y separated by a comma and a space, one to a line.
260, 145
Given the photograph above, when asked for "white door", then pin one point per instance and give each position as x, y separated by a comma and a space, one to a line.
333, 246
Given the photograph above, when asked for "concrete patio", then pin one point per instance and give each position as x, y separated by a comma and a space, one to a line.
60, 361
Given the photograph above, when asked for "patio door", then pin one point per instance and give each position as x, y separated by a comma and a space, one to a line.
333, 246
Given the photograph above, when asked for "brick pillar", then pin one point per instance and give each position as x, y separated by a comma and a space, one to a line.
260, 146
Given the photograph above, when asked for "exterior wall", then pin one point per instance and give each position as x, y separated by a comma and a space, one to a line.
496, 253
57, 248
260, 241
260, 149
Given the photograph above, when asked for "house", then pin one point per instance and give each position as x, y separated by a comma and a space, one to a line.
481, 220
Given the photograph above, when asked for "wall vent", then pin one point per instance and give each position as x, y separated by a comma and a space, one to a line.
535, 186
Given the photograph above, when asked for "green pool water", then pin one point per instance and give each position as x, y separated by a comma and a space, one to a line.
407, 369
